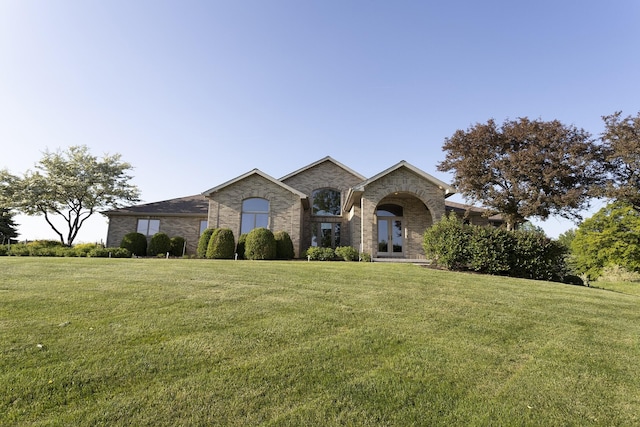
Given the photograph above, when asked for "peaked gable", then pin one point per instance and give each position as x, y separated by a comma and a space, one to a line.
249, 174
316, 163
446, 188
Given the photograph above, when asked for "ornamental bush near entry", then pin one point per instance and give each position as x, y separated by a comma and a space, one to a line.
260, 244
160, 244
284, 245
136, 243
347, 253
221, 245
177, 246
203, 242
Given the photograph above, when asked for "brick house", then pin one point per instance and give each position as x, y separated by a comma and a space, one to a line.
322, 204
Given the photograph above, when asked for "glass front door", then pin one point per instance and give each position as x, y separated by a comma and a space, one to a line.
389, 236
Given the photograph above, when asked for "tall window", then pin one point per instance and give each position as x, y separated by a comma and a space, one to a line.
326, 202
203, 226
325, 234
255, 213
148, 227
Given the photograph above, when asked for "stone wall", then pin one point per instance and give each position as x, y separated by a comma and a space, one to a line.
187, 227
285, 207
407, 184
324, 175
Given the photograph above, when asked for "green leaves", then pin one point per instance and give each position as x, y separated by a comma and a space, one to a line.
71, 185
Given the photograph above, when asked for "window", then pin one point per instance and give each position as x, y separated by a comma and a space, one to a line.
203, 226
326, 202
255, 213
325, 234
148, 227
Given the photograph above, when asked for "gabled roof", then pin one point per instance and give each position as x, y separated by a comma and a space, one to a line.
325, 159
195, 205
446, 188
251, 173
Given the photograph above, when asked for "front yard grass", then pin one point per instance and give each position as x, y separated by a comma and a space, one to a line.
201, 342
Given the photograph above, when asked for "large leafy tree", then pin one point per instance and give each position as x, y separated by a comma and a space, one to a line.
621, 140
524, 168
610, 237
72, 185
7, 226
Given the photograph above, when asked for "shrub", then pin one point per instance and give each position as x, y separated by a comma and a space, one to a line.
260, 244
617, 273
221, 244
136, 243
177, 246
316, 253
446, 242
347, 253
4, 249
284, 245
490, 250
203, 242
241, 245
100, 252
82, 249
538, 257
160, 244
365, 257
18, 249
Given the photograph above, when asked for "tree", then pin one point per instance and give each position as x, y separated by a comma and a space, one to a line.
610, 237
7, 226
71, 184
524, 168
621, 140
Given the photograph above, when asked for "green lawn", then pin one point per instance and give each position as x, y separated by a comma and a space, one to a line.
197, 342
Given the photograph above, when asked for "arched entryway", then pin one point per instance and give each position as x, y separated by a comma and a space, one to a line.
400, 221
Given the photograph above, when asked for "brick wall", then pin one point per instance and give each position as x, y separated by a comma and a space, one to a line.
285, 208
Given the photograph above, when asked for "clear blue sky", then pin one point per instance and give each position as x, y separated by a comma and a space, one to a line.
194, 93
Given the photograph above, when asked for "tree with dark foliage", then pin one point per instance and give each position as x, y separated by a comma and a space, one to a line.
524, 168
621, 141
7, 226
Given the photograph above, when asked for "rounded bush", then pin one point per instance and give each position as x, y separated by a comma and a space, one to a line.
316, 253
160, 244
241, 245
136, 243
260, 244
347, 253
284, 245
177, 246
221, 245
203, 242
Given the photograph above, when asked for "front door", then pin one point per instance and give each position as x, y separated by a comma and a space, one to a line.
389, 237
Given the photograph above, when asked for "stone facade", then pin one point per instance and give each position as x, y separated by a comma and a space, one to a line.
285, 207
419, 196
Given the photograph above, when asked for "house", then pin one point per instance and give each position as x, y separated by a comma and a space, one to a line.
322, 204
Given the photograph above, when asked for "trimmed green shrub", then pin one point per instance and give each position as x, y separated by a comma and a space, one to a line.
221, 244
177, 246
203, 242
538, 257
284, 245
160, 244
491, 250
260, 244
100, 252
82, 249
136, 243
241, 245
365, 257
4, 249
347, 253
18, 249
316, 253
446, 242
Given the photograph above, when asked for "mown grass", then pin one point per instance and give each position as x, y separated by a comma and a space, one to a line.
200, 342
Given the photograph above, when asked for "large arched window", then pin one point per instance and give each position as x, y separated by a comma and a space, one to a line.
255, 213
326, 202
